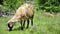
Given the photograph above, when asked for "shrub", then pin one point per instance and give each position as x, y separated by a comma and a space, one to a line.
12, 4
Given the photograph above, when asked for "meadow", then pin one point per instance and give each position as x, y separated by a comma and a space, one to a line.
42, 25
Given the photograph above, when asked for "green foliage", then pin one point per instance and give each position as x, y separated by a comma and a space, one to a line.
12, 4
54, 9
47, 2
3, 9
49, 5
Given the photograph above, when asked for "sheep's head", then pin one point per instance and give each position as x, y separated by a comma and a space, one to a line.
10, 25
11, 22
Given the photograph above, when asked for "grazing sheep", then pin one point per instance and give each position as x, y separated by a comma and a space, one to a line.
23, 13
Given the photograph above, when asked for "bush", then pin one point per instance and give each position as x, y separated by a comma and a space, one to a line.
48, 5
12, 4
51, 9
3, 10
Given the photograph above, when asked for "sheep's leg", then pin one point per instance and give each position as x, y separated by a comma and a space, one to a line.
21, 26
31, 21
24, 24
27, 23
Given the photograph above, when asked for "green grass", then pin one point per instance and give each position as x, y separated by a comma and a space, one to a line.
42, 25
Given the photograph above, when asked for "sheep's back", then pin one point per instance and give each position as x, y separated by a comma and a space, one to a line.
25, 11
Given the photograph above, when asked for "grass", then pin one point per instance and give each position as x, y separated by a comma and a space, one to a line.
42, 25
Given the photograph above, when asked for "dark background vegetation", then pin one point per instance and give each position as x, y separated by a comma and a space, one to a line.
52, 6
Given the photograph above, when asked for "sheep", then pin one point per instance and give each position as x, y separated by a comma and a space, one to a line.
23, 13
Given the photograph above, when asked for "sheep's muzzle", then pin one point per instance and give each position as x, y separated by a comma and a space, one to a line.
10, 25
